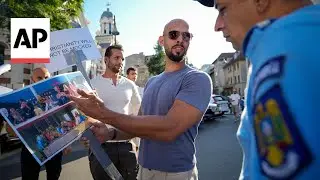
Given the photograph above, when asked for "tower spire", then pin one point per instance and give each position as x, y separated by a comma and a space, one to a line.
108, 5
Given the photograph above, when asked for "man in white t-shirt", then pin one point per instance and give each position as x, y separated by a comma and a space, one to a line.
132, 74
122, 96
235, 99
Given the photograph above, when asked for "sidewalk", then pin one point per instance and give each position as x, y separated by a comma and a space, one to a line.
75, 165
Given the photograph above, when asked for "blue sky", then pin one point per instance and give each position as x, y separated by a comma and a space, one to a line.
140, 22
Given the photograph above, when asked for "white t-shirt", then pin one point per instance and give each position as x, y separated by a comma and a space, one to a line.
122, 98
141, 89
235, 99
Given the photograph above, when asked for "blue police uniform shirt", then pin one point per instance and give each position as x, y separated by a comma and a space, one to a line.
190, 86
278, 131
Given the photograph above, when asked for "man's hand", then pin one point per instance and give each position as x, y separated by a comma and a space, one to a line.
100, 130
90, 104
67, 150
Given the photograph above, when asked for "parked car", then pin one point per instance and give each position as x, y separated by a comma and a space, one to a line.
213, 110
222, 102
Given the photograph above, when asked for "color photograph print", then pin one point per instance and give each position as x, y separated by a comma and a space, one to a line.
52, 93
18, 108
43, 116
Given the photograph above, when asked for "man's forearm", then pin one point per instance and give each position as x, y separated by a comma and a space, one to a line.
149, 127
120, 135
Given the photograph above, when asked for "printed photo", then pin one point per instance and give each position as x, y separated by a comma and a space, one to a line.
19, 107
43, 116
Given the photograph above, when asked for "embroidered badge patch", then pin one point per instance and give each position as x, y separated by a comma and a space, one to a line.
282, 151
273, 68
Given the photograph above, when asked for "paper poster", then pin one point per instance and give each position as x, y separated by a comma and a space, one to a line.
43, 116
69, 45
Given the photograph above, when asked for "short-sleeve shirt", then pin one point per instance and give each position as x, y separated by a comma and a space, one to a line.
190, 86
117, 97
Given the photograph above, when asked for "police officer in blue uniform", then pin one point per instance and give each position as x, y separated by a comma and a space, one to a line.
279, 127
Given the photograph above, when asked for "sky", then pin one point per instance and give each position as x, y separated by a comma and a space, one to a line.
141, 22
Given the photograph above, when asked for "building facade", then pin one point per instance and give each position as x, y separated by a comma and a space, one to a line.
20, 74
235, 72
218, 75
139, 62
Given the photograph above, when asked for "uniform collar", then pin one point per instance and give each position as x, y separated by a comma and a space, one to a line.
254, 36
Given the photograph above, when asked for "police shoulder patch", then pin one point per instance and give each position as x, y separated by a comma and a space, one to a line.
281, 149
272, 68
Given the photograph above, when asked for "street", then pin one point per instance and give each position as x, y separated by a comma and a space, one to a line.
219, 156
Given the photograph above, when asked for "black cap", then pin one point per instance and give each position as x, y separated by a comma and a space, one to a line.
208, 3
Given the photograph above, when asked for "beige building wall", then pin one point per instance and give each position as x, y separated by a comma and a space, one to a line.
138, 61
236, 76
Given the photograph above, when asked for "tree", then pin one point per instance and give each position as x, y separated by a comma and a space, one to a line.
60, 12
156, 62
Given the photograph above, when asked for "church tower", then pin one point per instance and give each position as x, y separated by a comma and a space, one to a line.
105, 35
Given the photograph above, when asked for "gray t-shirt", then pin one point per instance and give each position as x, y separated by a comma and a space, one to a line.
188, 85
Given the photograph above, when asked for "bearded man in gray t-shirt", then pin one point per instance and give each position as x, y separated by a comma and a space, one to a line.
172, 107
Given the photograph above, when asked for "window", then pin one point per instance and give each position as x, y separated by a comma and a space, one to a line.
105, 28
231, 80
1, 55
234, 67
110, 32
74, 68
217, 98
238, 78
26, 71
26, 81
56, 73
235, 79
238, 66
5, 80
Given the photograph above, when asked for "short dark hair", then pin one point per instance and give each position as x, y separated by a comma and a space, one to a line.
108, 52
131, 69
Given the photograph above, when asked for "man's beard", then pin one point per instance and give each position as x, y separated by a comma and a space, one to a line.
113, 68
176, 58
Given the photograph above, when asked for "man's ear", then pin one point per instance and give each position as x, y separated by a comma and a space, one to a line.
106, 59
262, 5
161, 41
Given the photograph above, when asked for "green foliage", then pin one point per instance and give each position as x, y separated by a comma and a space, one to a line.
156, 62
60, 12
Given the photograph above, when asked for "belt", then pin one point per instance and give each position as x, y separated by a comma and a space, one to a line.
117, 142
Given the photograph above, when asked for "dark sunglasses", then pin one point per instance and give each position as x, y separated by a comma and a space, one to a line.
174, 35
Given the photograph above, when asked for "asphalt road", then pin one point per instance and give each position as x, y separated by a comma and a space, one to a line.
218, 153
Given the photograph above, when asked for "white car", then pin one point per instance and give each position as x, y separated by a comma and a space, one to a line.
223, 104
213, 110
